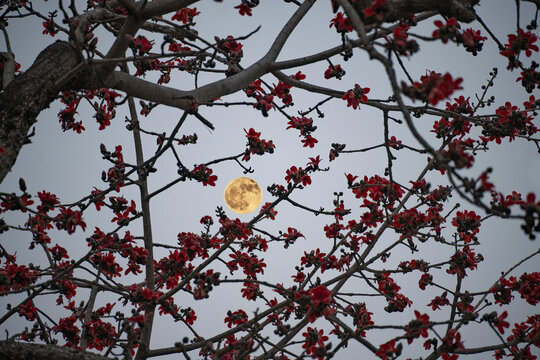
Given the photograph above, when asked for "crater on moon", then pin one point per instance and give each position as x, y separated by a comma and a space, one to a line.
243, 195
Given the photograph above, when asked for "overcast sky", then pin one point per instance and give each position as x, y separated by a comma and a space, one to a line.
70, 165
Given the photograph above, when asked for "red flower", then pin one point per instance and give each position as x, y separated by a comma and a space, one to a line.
297, 175
69, 331
299, 277
298, 76
271, 213
48, 201
500, 323
256, 145
355, 96
418, 327
467, 223
472, 40
524, 41
446, 356
452, 340
529, 287
254, 88
141, 44
320, 295
28, 310
282, 91
69, 220
314, 342
439, 301
432, 87
185, 15
462, 260
244, 8
232, 47
389, 349
235, 318
447, 31
334, 71
203, 174
309, 141
376, 8
50, 27
342, 23
13, 203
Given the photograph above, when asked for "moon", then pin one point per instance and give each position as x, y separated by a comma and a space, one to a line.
243, 195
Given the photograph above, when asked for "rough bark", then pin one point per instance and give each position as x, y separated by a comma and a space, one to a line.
394, 10
27, 95
11, 350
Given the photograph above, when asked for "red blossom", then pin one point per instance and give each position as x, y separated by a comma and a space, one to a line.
203, 174
341, 23
377, 8
418, 327
334, 71
309, 141
68, 220
433, 87
69, 330
447, 31
439, 301
244, 8
523, 41
185, 15
462, 260
48, 201
314, 342
355, 96
467, 223
28, 310
297, 175
389, 349
50, 27
235, 318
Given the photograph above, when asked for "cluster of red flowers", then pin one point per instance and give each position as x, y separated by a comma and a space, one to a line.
231, 47
509, 122
467, 224
377, 188
203, 174
115, 175
185, 15
236, 318
297, 176
256, 145
528, 286
462, 260
377, 8
314, 343
432, 88
305, 125
417, 327
400, 41
387, 286
471, 39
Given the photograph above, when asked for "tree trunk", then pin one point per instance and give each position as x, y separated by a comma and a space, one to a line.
27, 95
11, 350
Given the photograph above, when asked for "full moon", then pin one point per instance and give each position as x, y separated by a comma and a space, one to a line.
243, 195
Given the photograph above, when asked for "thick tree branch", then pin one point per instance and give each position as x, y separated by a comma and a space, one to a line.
26, 96
462, 10
11, 350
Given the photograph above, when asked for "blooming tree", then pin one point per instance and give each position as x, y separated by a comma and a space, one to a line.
123, 56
